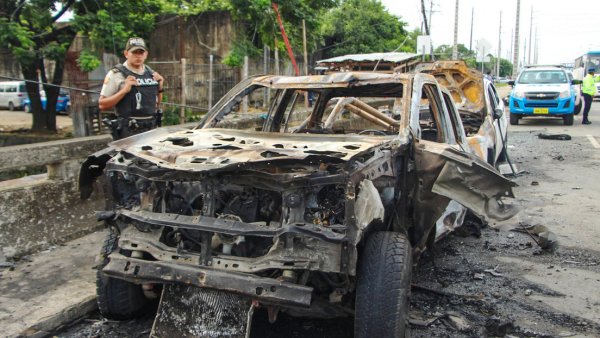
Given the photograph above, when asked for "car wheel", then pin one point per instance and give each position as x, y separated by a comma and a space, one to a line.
514, 119
117, 299
578, 108
26, 108
11, 106
383, 286
568, 120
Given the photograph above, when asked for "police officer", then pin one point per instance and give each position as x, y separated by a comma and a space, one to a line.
588, 89
135, 90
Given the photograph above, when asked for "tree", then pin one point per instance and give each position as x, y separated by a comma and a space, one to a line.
31, 32
444, 52
258, 20
364, 26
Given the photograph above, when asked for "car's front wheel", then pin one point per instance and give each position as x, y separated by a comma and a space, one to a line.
383, 286
578, 107
514, 119
118, 299
568, 120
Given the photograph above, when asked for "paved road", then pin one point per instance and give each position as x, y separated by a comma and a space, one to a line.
535, 294
525, 291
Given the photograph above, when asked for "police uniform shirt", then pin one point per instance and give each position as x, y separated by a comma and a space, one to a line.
114, 81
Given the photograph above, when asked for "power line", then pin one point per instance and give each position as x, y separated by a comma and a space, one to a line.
94, 92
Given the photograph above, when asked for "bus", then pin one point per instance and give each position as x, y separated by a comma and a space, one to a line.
582, 63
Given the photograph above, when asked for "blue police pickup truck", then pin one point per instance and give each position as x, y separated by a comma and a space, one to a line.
543, 91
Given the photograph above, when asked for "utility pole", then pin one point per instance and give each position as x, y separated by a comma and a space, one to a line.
424, 17
455, 47
499, 47
512, 35
530, 26
525, 52
305, 59
535, 54
516, 42
471, 40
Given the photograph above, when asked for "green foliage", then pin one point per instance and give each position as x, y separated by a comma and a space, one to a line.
444, 52
240, 48
194, 7
171, 116
365, 26
108, 24
88, 61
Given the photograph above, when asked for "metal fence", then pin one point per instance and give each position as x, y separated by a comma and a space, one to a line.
199, 86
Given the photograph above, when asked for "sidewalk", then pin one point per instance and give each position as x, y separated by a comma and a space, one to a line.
49, 289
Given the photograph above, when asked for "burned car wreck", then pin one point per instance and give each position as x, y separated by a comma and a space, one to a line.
480, 107
319, 212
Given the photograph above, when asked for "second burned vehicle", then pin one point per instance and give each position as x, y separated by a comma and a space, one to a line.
480, 107
316, 212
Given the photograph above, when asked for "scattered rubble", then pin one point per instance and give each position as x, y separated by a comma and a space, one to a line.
561, 137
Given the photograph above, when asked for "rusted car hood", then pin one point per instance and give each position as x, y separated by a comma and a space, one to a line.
207, 149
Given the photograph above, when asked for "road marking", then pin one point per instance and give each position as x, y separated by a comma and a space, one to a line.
593, 141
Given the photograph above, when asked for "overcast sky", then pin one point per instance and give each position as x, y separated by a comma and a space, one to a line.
565, 29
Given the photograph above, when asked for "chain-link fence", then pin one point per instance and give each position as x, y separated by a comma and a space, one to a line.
205, 84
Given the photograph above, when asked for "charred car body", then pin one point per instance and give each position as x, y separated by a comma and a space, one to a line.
318, 213
481, 108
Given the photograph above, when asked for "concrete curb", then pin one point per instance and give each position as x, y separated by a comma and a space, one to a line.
51, 289
54, 322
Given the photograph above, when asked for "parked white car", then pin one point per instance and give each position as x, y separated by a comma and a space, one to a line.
12, 94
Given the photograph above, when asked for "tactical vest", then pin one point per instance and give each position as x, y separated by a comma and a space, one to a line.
589, 85
146, 86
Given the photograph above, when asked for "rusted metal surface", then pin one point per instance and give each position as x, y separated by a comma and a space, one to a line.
280, 214
264, 289
476, 100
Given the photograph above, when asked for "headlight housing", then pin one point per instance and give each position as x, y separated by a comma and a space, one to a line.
564, 94
518, 94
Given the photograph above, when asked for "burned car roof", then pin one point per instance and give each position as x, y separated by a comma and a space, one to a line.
333, 80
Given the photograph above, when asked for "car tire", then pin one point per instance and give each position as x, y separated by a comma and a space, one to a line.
568, 120
383, 286
578, 108
116, 298
11, 106
26, 108
514, 119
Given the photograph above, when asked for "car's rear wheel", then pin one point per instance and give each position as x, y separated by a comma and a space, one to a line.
118, 299
514, 119
578, 107
383, 286
11, 106
568, 120
26, 108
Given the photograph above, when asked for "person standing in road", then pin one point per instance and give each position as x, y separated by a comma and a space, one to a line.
135, 90
588, 89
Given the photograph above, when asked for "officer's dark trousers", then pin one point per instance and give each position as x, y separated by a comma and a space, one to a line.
587, 99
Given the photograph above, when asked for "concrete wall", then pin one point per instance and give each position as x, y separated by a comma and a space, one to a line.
9, 65
41, 210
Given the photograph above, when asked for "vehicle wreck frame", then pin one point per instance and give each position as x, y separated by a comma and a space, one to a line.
282, 215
